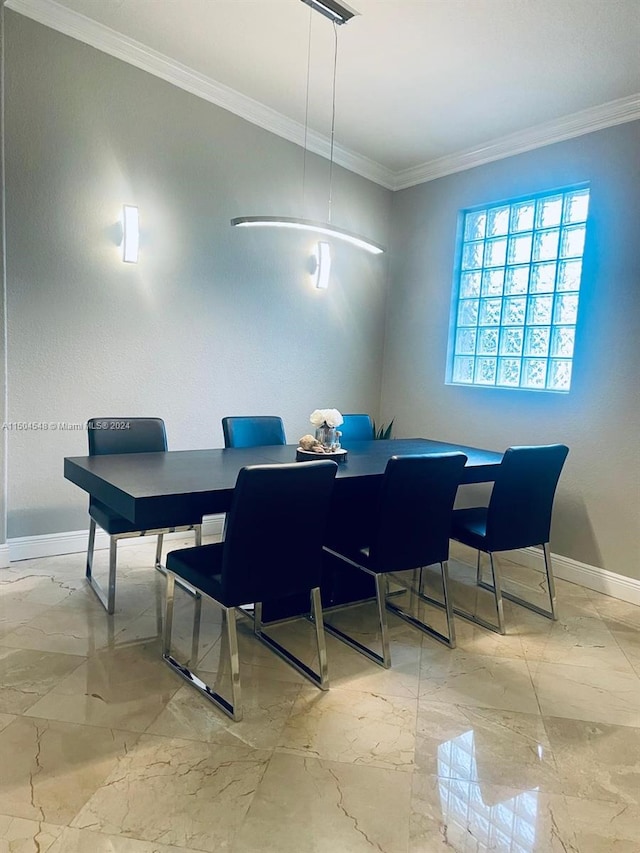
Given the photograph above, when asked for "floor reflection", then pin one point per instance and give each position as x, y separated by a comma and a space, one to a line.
508, 826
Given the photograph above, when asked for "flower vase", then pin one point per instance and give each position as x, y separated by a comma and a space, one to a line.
326, 435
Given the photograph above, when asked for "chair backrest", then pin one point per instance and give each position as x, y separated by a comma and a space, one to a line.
253, 431
126, 435
356, 428
415, 510
275, 530
519, 512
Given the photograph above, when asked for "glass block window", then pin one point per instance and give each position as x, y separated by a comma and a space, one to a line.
516, 292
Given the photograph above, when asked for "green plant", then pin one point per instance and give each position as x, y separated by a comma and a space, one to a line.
382, 433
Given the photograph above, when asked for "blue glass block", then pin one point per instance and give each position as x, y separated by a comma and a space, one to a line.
469, 285
509, 371
559, 374
497, 221
490, 310
566, 310
572, 243
495, 252
576, 206
463, 369
468, 312
488, 341
516, 280
474, 225
543, 278
514, 310
466, 342
549, 212
472, 256
511, 341
569, 273
519, 249
534, 372
545, 245
492, 282
522, 216
539, 310
536, 341
562, 341
485, 371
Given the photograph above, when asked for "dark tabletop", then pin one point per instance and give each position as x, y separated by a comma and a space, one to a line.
146, 486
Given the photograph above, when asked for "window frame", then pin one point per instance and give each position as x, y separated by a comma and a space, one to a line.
507, 264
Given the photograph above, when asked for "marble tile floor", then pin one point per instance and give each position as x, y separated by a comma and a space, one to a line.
526, 743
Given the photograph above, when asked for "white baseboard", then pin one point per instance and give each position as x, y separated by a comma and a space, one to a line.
75, 541
591, 577
566, 569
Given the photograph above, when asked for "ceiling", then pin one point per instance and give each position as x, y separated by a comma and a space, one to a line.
418, 82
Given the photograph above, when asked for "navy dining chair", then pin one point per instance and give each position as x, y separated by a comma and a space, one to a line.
518, 515
125, 435
272, 549
411, 530
253, 431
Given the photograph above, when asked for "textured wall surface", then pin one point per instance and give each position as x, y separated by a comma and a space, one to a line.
212, 321
597, 514
3, 330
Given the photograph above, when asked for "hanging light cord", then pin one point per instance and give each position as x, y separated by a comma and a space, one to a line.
333, 115
306, 120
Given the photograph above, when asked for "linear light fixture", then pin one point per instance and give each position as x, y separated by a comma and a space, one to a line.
130, 234
339, 13
308, 225
322, 269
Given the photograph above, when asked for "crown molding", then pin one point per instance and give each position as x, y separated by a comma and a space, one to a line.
567, 127
103, 38
77, 26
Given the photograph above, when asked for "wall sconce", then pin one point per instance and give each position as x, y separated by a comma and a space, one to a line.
130, 234
321, 266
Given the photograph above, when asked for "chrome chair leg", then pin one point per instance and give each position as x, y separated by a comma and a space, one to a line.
496, 589
232, 709
321, 641
197, 528
158, 562
450, 638
382, 585
319, 679
551, 591
383, 659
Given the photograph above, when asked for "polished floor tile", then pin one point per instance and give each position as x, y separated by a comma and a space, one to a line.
523, 743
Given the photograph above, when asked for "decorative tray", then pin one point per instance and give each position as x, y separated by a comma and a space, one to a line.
309, 455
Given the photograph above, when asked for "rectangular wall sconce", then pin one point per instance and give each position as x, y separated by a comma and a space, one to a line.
323, 266
130, 234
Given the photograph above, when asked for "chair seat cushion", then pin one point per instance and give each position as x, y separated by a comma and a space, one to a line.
110, 521
470, 527
201, 567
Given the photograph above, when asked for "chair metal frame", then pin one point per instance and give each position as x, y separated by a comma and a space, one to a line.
383, 602
108, 597
496, 587
231, 574
233, 708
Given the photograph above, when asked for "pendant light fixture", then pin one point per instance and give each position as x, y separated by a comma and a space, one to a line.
339, 14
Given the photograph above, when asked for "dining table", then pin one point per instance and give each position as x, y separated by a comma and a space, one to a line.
151, 489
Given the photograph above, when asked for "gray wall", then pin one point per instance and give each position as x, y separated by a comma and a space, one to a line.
212, 321
597, 513
3, 377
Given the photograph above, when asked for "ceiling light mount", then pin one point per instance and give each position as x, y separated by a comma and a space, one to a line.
339, 13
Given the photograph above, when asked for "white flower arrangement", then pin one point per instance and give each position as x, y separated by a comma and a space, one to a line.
326, 417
